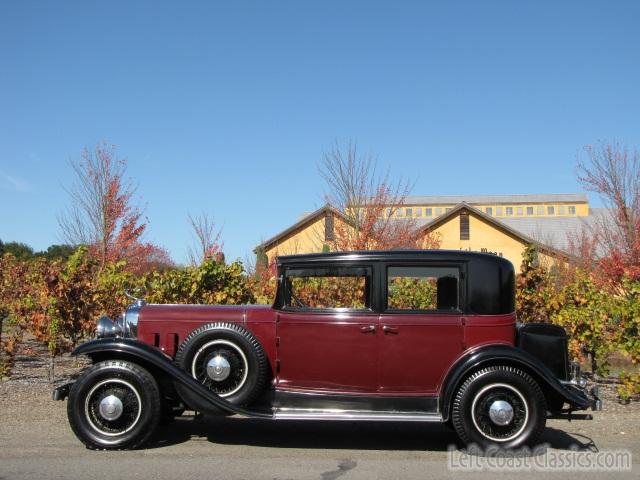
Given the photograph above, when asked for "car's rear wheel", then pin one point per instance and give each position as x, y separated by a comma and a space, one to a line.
499, 406
225, 358
114, 405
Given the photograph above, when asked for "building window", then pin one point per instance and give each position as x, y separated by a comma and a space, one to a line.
438, 211
329, 234
428, 212
550, 210
489, 211
418, 212
540, 210
448, 209
572, 210
529, 210
464, 226
498, 211
408, 212
509, 211
560, 209
389, 212
519, 211
399, 212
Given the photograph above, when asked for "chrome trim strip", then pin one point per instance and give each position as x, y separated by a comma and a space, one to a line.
382, 416
130, 319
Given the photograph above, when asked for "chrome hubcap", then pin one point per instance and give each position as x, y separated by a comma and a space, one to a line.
110, 408
113, 407
221, 366
501, 412
218, 368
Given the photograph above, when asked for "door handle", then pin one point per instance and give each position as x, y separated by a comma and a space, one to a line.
368, 329
390, 329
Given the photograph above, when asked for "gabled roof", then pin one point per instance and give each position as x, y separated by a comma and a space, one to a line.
436, 222
303, 222
431, 225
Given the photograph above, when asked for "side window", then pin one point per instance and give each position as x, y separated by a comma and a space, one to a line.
423, 288
326, 288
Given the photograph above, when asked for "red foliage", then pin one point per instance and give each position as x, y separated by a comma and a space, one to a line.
263, 282
614, 173
104, 217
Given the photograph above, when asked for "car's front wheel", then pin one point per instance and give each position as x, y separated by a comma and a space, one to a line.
499, 406
114, 405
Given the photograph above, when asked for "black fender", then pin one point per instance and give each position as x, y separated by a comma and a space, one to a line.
146, 355
507, 355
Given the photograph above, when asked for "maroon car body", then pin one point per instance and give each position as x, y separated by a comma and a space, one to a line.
417, 357
363, 352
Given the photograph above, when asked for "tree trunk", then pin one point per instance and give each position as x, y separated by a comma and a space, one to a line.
52, 364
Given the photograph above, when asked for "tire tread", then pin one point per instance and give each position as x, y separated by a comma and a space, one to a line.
148, 384
456, 415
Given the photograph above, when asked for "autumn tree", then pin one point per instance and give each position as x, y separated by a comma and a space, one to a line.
613, 172
368, 202
208, 243
13, 292
532, 285
102, 214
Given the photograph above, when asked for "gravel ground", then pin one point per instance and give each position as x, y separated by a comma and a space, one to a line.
36, 442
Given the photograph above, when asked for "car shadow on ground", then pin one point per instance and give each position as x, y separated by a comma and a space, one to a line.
333, 435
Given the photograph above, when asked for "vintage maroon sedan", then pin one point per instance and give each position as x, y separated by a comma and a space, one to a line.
420, 336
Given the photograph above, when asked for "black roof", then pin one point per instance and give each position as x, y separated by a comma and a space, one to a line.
489, 283
392, 255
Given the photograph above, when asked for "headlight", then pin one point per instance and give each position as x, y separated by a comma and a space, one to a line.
125, 326
108, 328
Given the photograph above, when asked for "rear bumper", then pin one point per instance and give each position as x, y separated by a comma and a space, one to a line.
592, 397
583, 399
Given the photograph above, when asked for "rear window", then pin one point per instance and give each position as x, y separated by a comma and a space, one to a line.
344, 288
423, 288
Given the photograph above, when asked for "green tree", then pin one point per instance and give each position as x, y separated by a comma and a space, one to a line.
20, 250
57, 252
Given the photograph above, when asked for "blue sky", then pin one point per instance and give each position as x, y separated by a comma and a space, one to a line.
227, 107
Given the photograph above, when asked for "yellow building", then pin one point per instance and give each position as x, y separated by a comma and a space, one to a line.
499, 224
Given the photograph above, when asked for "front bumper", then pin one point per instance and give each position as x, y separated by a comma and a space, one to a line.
61, 392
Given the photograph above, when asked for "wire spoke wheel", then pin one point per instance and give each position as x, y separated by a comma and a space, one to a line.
221, 366
114, 404
113, 407
499, 406
499, 412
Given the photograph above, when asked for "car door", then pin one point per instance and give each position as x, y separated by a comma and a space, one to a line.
327, 330
421, 326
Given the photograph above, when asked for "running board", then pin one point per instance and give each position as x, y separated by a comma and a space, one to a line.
354, 415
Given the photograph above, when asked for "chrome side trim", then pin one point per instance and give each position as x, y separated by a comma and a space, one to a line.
350, 415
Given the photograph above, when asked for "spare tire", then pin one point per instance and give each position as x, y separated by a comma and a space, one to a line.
227, 359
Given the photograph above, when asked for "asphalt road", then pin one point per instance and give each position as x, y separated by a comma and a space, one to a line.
37, 443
